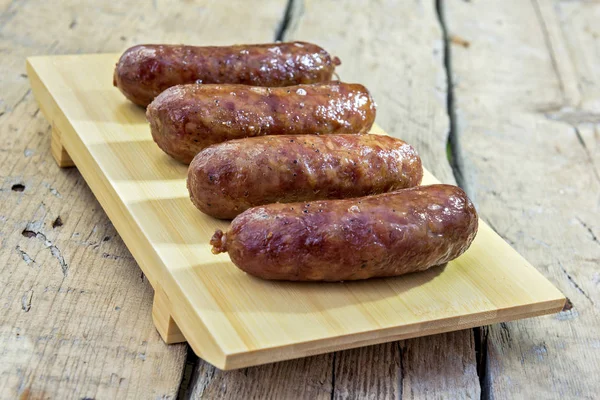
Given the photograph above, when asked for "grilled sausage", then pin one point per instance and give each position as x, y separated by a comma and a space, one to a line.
333, 240
227, 178
188, 118
144, 71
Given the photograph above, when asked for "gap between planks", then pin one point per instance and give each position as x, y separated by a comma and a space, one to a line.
455, 160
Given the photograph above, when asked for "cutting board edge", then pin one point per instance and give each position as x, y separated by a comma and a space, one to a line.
281, 353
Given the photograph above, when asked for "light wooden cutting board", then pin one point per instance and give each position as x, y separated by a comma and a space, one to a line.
231, 319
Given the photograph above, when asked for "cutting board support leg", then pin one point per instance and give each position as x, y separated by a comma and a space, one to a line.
59, 153
164, 323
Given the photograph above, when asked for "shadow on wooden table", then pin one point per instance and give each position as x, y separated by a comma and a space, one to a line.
138, 160
303, 297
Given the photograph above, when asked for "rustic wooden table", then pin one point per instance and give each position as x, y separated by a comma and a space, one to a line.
518, 126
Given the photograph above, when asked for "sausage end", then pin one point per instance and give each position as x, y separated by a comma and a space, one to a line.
219, 242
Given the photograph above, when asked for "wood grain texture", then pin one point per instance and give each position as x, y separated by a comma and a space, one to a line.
304, 378
528, 107
88, 334
229, 318
75, 320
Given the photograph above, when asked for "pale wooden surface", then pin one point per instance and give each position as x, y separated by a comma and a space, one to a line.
443, 365
528, 104
231, 319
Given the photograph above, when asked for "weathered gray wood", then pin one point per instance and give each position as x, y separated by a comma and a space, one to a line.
528, 113
76, 311
305, 378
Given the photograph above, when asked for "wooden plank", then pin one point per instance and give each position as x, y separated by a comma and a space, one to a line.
305, 378
528, 108
232, 319
76, 306
87, 334
396, 50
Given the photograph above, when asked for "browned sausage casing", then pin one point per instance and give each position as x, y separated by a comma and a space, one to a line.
188, 118
333, 240
228, 178
144, 71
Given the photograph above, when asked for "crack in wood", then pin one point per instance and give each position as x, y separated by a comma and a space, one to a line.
572, 118
198, 386
26, 300
574, 283
580, 138
55, 192
454, 158
55, 251
480, 336
401, 372
188, 375
333, 365
505, 333
285, 21
22, 99
116, 257
590, 159
590, 231
26, 257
